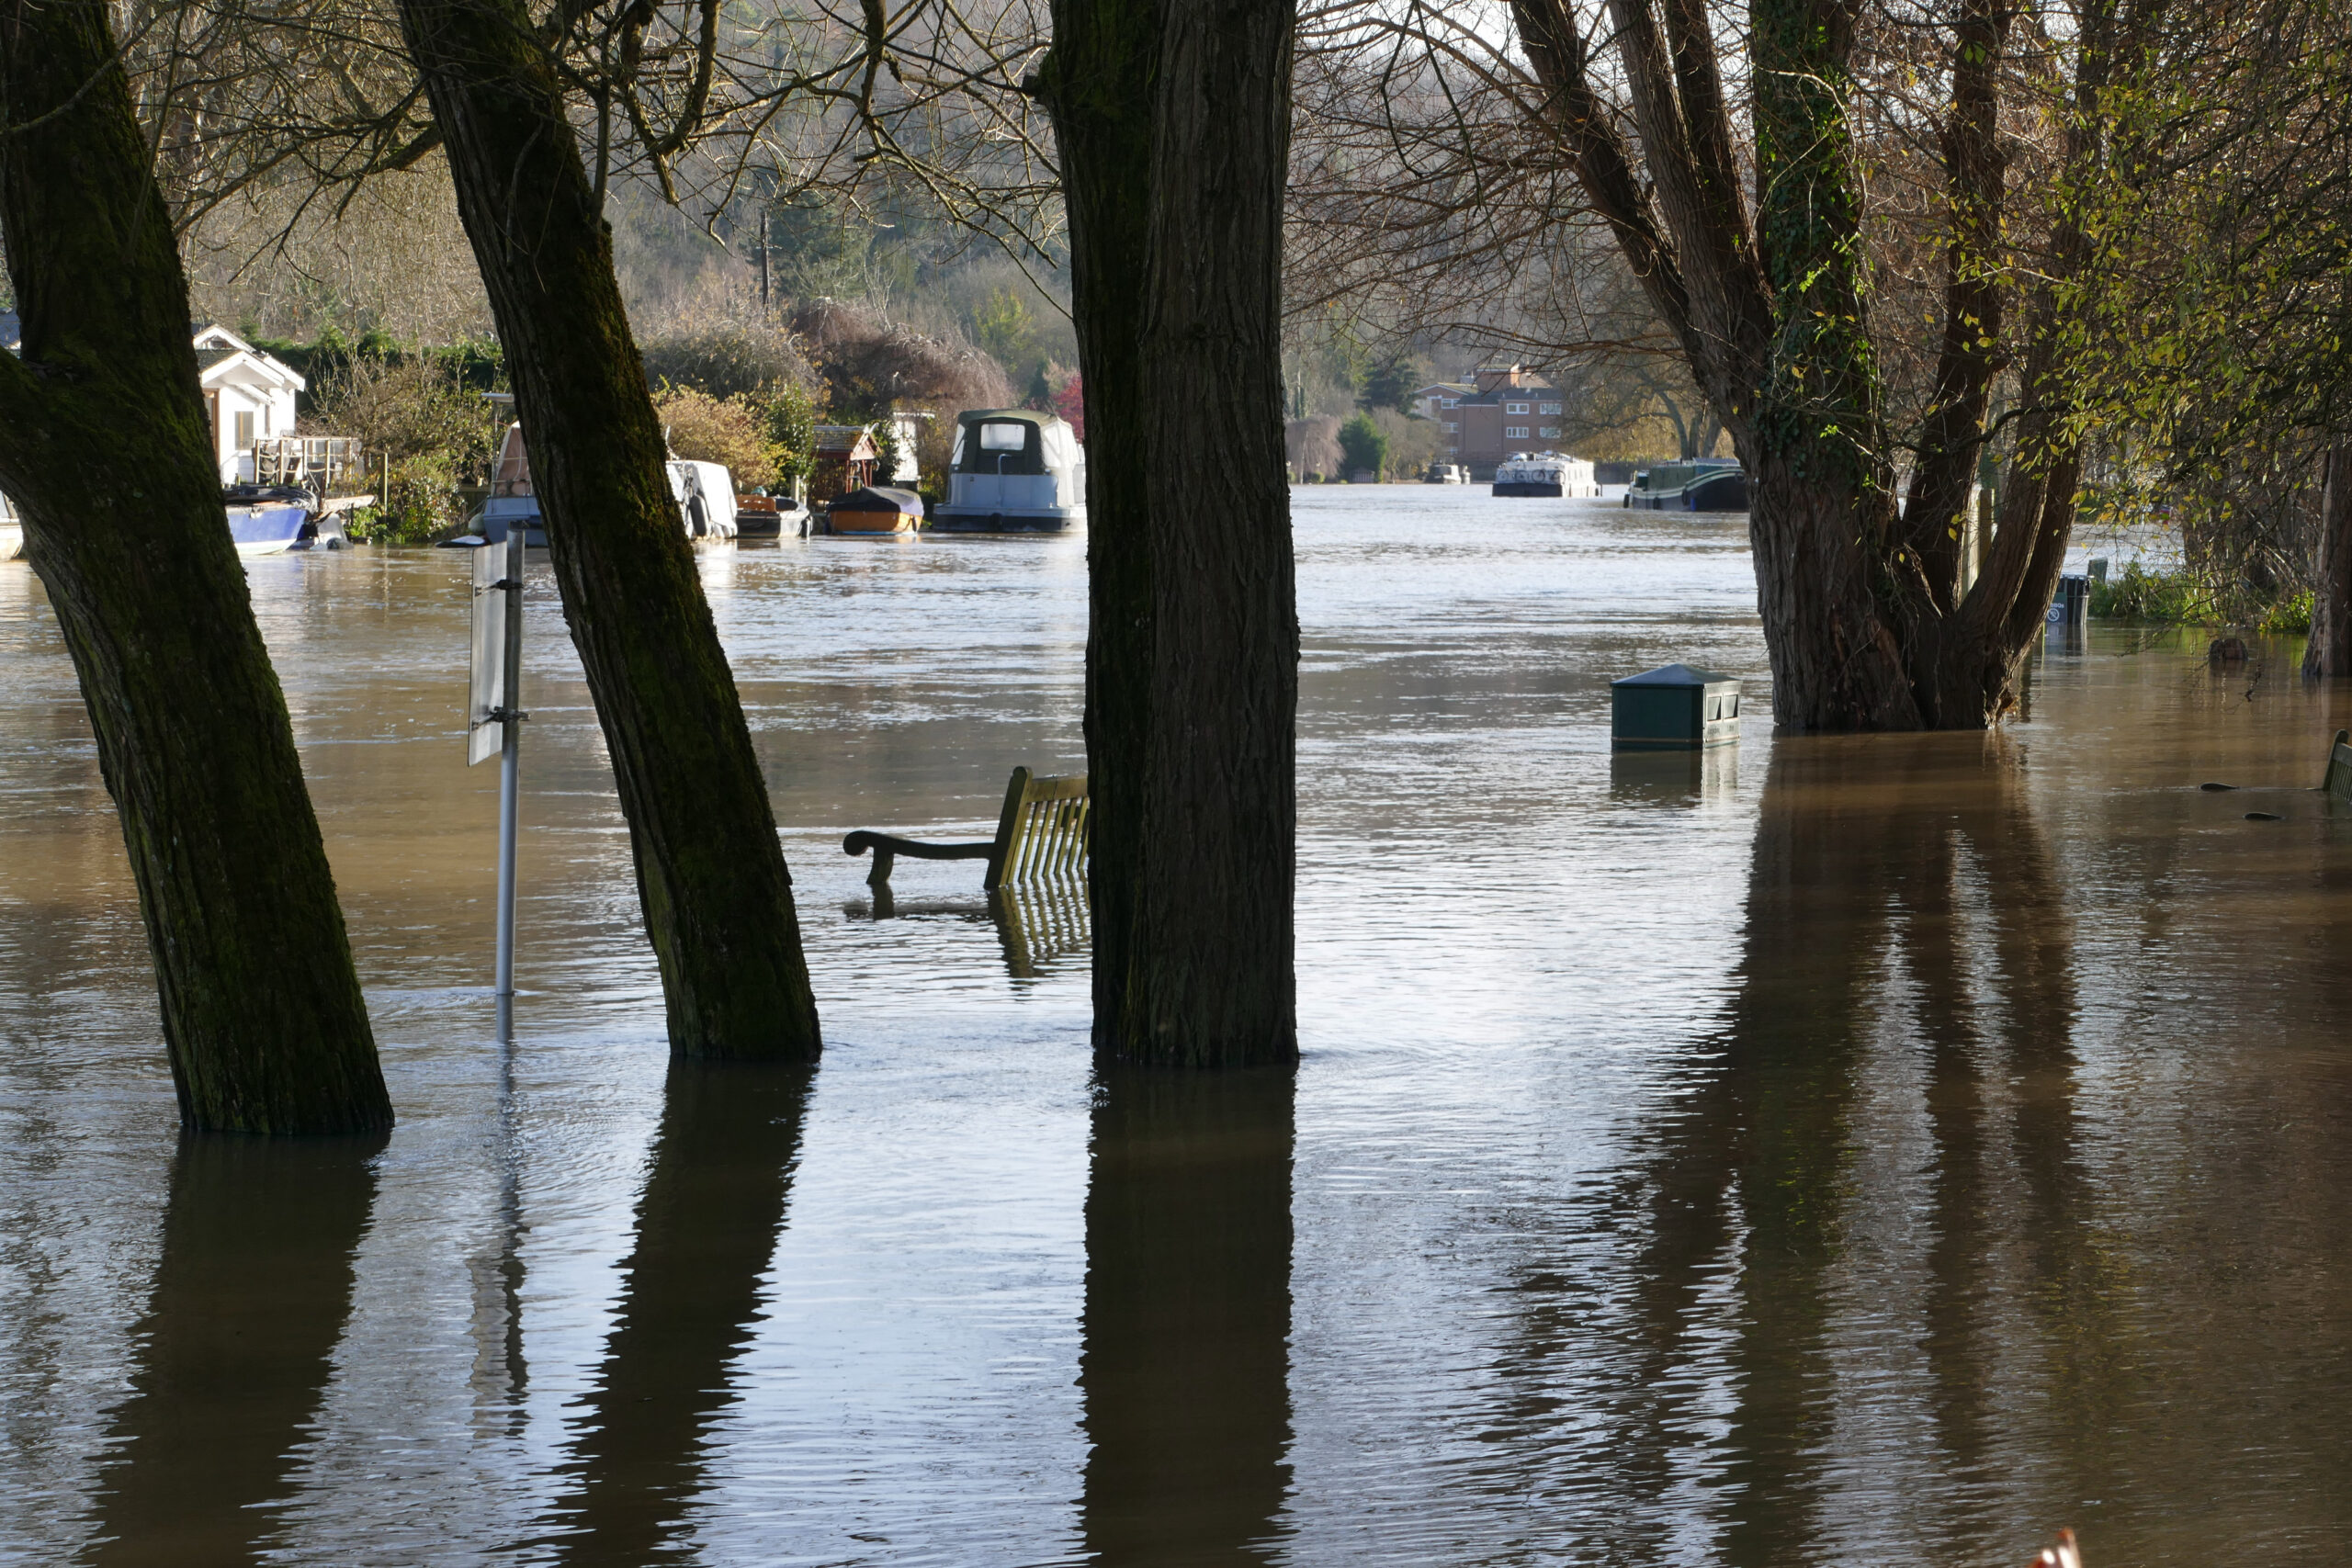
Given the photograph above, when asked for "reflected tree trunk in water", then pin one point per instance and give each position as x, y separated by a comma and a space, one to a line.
252, 1294
1816, 905
707, 1228
1186, 1365
1865, 931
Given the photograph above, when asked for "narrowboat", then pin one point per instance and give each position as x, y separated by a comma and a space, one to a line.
873, 511
1015, 471
1704, 484
1544, 474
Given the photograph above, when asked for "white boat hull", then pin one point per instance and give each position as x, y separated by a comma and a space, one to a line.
271, 530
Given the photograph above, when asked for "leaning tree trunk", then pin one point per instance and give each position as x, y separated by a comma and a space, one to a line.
710, 871
1172, 118
2330, 652
103, 444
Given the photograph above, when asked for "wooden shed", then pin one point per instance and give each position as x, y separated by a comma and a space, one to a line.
846, 458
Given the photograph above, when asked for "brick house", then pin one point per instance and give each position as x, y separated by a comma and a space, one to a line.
1505, 408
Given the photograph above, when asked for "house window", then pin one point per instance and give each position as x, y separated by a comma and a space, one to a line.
1453, 427
1551, 430
1515, 432
1515, 408
245, 431
1551, 407
1448, 402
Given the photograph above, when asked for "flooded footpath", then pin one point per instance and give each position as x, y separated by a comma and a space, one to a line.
1881, 1149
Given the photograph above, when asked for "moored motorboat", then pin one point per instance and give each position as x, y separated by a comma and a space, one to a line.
1014, 471
1544, 474
1446, 474
271, 528
1703, 484
12, 533
513, 502
706, 495
875, 510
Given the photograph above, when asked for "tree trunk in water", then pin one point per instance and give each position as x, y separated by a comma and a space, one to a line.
2330, 652
1822, 513
104, 446
710, 871
1862, 613
1172, 118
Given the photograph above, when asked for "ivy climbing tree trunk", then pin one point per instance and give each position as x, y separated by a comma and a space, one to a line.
710, 871
104, 448
1172, 118
1770, 298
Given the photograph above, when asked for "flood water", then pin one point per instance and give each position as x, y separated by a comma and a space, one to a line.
1874, 1149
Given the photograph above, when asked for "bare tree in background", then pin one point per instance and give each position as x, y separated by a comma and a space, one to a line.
1722, 157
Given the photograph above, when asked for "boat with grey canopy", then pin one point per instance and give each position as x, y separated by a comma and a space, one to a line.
1015, 471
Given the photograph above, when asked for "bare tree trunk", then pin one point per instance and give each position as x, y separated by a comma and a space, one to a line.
710, 871
1172, 121
2330, 652
103, 443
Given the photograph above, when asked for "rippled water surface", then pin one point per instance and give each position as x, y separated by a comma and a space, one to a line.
1880, 1149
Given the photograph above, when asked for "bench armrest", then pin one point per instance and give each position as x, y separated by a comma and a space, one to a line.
888, 847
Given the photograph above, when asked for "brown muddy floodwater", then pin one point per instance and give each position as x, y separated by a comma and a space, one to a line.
1882, 1150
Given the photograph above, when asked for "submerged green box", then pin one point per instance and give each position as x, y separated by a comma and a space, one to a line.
1675, 708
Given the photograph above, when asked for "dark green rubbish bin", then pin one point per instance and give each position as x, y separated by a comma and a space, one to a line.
1676, 708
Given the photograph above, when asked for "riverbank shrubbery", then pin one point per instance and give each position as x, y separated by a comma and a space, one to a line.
2180, 598
2137, 595
424, 430
423, 501
764, 438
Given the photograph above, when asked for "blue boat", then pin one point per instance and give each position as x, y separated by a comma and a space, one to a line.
272, 529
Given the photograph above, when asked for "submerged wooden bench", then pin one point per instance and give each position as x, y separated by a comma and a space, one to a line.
2336, 782
1040, 834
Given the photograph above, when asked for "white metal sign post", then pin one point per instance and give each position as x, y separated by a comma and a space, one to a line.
494, 724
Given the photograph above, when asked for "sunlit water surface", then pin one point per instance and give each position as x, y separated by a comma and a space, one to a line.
1882, 1150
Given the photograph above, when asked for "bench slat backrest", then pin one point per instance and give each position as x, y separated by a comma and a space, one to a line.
1042, 834
2338, 782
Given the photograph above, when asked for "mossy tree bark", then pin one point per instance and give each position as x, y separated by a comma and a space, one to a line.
105, 447
710, 871
1172, 118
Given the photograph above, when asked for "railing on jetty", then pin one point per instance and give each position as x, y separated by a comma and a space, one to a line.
323, 463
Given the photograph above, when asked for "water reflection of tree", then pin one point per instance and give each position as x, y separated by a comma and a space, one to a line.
1900, 901
252, 1293
707, 1228
1185, 1368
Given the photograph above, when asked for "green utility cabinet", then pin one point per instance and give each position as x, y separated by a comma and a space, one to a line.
1676, 708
